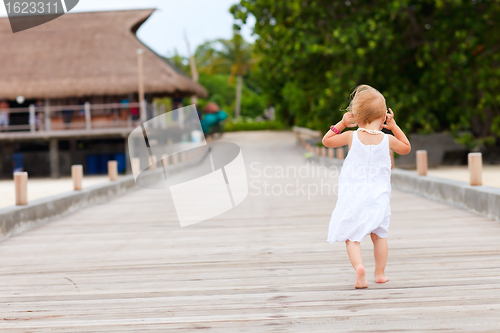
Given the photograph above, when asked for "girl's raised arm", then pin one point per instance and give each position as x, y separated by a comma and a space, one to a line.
335, 139
399, 142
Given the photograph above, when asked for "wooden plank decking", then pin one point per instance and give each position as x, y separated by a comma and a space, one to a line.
127, 266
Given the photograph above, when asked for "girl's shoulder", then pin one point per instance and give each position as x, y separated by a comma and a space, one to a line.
350, 137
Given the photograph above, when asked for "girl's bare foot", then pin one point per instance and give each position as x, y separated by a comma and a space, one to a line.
361, 281
381, 278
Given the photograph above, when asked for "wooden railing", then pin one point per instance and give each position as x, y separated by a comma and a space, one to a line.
77, 117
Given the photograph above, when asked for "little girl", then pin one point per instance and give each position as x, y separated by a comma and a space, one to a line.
363, 205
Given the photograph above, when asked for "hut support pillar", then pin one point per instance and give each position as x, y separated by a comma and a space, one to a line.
127, 158
72, 151
54, 158
47, 115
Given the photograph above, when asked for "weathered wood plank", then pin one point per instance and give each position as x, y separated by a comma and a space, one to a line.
127, 266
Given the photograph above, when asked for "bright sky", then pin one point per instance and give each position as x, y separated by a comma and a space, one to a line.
164, 31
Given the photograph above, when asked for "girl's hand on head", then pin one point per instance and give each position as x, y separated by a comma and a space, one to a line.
348, 120
390, 123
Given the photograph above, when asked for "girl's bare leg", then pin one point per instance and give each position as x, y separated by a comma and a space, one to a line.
354, 253
380, 250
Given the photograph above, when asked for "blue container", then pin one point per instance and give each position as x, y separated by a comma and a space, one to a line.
122, 162
18, 160
92, 168
103, 163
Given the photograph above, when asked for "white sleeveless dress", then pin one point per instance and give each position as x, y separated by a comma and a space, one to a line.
363, 204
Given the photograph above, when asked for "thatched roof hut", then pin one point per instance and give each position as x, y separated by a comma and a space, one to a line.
84, 54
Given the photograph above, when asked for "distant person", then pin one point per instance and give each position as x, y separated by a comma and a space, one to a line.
213, 117
124, 108
4, 115
269, 113
67, 116
364, 193
81, 112
124, 102
39, 115
177, 101
134, 111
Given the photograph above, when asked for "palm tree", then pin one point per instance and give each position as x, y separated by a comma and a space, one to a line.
230, 56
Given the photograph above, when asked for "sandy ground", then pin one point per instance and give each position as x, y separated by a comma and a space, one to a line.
491, 174
43, 187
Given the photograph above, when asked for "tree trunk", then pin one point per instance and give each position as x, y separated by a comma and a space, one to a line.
239, 86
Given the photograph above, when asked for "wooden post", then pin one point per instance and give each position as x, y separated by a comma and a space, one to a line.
136, 165
21, 185
32, 118
155, 110
128, 169
340, 153
88, 116
163, 120
54, 157
152, 162
422, 162
331, 152
392, 159
316, 150
323, 151
164, 160
140, 66
175, 159
476, 169
113, 170
77, 175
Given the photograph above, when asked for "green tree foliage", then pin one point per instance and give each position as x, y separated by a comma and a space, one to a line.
218, 63
437, 62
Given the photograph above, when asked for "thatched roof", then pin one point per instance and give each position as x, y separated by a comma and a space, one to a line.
84, 54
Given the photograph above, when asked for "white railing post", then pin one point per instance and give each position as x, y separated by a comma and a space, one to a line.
32, 118
155, 109
142, 101
88, 116
47, 115
21, 185
476, 169
77, 176
164, 118
154, 106
144, 111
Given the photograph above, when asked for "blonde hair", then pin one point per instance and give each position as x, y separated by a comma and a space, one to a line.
367, 104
